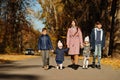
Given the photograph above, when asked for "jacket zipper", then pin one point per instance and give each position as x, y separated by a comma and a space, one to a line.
44, 42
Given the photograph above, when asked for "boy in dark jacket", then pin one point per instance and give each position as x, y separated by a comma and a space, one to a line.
44, 45
60, 54
97, 43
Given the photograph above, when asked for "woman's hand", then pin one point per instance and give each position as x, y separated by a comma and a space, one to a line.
68, 46
82, 46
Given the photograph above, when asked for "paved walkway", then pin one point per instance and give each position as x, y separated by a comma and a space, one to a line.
31, 69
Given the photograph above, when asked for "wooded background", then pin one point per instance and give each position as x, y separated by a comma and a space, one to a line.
17, 34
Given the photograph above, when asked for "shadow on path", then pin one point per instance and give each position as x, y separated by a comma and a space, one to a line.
4, 76
51, 66
7, 67
75, 67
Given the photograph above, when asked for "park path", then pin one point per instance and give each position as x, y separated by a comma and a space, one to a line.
31, 69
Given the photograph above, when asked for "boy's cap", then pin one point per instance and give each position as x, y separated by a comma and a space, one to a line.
60, 43
87, 38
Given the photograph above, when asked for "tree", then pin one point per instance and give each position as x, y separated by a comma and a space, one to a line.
57, 16
13, 22
115, 29
86, 12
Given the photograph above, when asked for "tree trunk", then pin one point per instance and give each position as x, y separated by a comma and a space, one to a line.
55, 14
116, 45
113, 9
114, 48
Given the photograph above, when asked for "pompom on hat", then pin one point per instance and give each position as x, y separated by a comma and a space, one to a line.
87, 38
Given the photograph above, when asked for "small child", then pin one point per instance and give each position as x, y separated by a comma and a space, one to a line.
86, 53
60, 55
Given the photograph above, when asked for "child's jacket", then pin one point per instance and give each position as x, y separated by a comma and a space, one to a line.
93, 37
60, 54
86, 50
44, 43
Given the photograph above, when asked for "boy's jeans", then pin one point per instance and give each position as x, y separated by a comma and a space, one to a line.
45, 57
97, 53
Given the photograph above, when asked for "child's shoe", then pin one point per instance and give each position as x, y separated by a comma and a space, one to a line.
93, 65
86, 67
98, 66
57, 67
83, 67
61, 66
46, 67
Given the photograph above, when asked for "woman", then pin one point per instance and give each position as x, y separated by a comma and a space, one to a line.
74, 43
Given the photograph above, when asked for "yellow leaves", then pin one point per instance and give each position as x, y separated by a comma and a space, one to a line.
64, 37
81, 58
115, 63
60, 8
4, 58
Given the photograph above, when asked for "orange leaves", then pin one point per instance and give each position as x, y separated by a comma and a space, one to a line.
115, 63
6, 58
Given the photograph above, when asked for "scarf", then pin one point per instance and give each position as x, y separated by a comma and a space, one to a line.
96, 29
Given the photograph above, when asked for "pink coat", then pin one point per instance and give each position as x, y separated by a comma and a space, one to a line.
74, 41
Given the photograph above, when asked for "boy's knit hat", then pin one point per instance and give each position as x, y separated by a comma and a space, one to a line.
60, 44
87, 38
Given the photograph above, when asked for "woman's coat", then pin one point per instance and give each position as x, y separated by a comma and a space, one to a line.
74, 41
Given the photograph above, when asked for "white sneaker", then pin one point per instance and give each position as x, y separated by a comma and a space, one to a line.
57, 67
86, 66
83, 67
61, 66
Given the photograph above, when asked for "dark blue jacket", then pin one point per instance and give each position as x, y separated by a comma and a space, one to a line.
92, 39
60, 54
44, 43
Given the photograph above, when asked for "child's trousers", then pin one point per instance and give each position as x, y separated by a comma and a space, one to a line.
85, 61
45, 57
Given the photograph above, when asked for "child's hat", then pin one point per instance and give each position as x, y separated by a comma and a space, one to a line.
60, 44
87, 38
